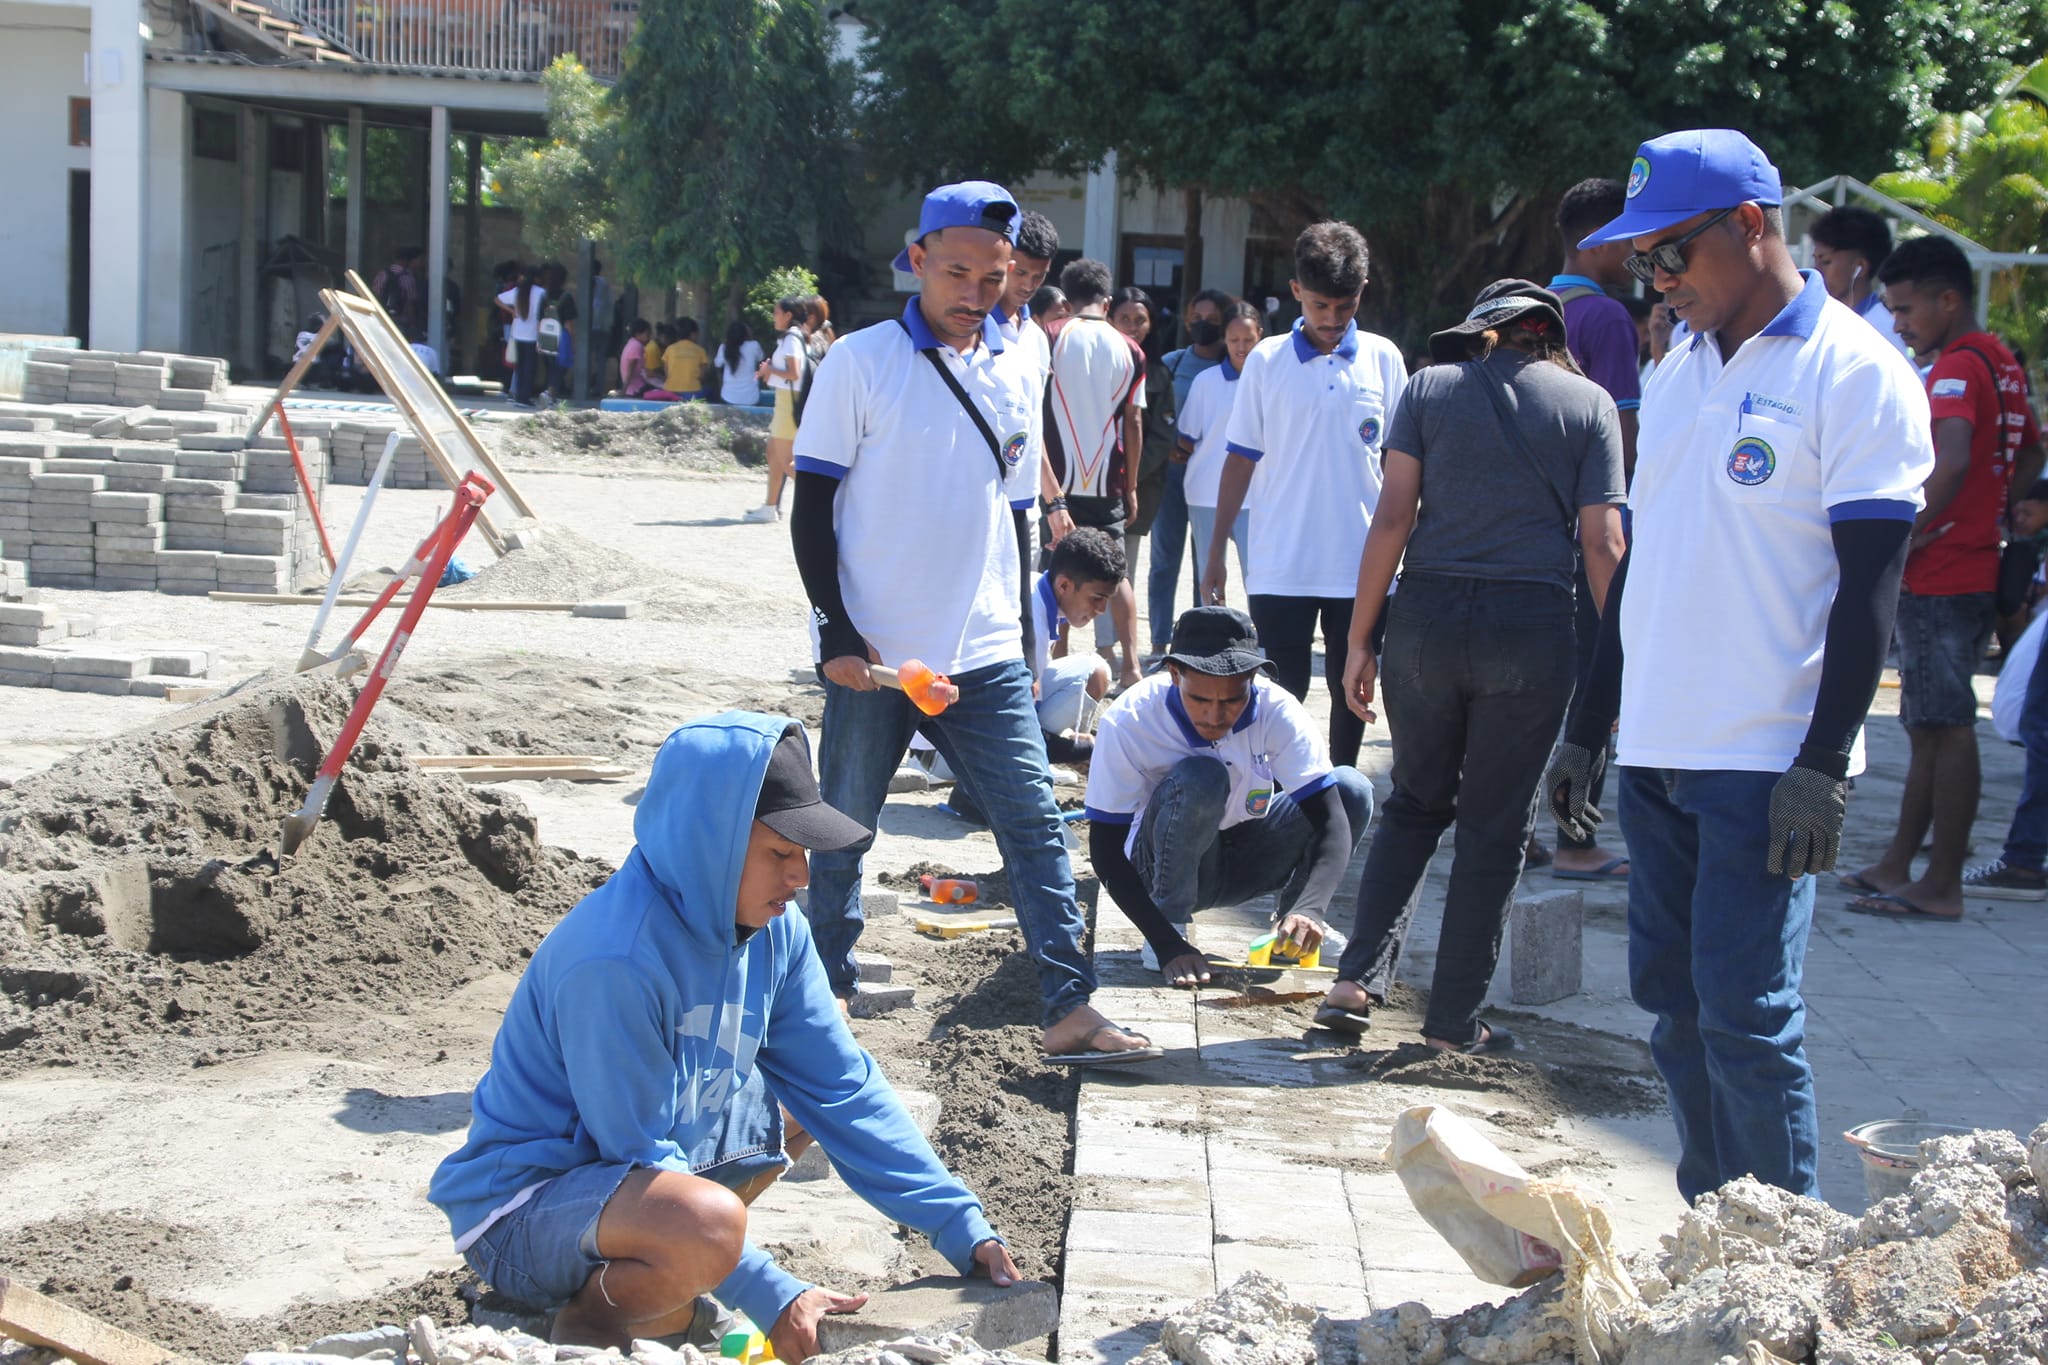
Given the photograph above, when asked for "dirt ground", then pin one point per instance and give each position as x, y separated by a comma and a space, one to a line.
224, 1081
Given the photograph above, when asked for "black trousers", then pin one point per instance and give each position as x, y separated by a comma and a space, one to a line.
1287, 630
1587, 621
1475, 677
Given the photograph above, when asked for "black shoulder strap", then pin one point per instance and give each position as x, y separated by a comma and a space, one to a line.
1492, 387
1997, 388
995, 447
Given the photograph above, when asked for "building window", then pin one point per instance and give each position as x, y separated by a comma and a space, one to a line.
81, 122
215, 134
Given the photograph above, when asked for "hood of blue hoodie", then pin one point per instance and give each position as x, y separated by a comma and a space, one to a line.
694, 820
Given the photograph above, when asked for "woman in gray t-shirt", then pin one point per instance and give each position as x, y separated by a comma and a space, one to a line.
1497, 456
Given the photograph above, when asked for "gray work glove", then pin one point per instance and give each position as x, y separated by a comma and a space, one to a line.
1807, 809
1569, 785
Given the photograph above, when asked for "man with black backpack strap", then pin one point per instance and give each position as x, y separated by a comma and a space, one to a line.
912, 488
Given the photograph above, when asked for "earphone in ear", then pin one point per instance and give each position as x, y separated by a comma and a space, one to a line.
1856, 274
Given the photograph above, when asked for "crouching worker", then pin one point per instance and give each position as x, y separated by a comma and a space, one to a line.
627, 1116
1211, 785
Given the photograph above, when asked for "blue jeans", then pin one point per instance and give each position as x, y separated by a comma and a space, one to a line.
1202, 521
2026, 842
991, 740
1475, 677
1716, 950
1188, 863
1169, 534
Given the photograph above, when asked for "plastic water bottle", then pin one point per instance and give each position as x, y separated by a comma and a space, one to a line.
949, 890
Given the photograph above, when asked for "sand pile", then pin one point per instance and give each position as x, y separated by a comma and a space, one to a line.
710, 437
1953, 1272
143, 914
562, 566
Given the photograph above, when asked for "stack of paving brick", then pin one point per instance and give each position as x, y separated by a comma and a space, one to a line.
358, 445
127, 533
126, 378
60, 524
13, 576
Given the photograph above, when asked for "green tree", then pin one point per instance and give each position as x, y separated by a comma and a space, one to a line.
1444, 128
789, 281
1986, 176
730, 114
561, 184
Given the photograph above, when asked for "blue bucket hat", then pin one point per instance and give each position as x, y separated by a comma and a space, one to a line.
1682, 174
971, 203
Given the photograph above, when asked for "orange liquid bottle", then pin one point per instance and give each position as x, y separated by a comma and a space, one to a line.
949, 890
928, 691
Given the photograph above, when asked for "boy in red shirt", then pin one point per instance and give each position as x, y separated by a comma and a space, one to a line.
1982, 429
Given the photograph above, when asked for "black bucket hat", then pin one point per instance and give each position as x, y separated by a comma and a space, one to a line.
1497, 305
1219, 641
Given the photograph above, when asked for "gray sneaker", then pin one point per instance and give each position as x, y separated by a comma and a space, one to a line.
1995, 881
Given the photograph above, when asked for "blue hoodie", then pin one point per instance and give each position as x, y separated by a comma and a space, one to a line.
644, 1012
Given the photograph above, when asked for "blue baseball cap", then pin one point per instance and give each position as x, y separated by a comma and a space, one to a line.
1681, 174
971, 203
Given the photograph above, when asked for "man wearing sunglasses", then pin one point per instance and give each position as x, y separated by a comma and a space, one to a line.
1779, 461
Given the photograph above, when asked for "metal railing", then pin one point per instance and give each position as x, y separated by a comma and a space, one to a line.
473, 35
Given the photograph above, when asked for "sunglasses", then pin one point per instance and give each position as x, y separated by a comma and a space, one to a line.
1669, 257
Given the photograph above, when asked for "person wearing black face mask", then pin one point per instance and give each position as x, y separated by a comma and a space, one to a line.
1169, 529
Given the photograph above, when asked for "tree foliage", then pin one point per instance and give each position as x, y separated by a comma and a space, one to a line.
732, 144
783, 282
561, 184
1444, 128
1986, 176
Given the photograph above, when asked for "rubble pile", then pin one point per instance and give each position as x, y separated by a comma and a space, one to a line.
1953, 1272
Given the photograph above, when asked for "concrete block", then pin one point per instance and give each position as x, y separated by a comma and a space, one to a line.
938, 1304
49, 556
123, 423
871, 999
191, 561
20, 469
178, 486
873, 967
266, 502
179, 663
83, 682
30, 636
150, 686
12, 423
608, 611
878, 904
251, 565
47, 482
55, 578
18, 659
10, 678
122, 557
60, 533
126, 506
137, 540
242, 518
15, 615
1546, 946
102, 665
80, 626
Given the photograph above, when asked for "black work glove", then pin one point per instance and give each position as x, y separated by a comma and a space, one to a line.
1573, 771
1807, 809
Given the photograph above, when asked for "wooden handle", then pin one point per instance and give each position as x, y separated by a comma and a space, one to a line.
885, 675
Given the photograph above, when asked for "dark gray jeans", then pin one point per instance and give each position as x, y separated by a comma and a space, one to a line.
1475, 679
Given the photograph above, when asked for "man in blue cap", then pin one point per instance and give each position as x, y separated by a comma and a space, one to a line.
1778, 470
912, 493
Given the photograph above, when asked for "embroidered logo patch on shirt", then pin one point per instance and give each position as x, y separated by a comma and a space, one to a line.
1951, 388
1013, 449
1752, 461
1257, 800
1369, 431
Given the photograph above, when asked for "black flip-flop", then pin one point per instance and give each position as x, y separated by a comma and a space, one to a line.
1489, 1041
1337, 1019
1857, 884
1871, 905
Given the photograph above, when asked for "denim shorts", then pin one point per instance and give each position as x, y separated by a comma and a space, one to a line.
541, 1253
1942, 640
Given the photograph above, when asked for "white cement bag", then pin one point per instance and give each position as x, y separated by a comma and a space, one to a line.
1513, 1230
2009, 698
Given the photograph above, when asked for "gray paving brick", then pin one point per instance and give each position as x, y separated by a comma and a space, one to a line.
934, 1305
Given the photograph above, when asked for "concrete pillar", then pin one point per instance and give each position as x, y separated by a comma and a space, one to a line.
120, 175
358, 199
167, 290
254, 163
1099, 213
437, 235
473, 275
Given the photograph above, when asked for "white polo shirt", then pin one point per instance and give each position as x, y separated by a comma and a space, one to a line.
1877, 315
927, 549
1205, 420
1023, 333
1275, 748
1046, 621
1742, 467
1314, 423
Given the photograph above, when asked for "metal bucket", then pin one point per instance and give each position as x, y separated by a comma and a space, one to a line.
1891, 1152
